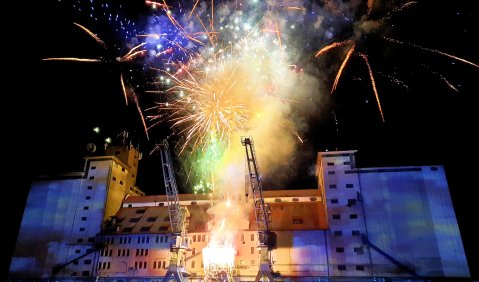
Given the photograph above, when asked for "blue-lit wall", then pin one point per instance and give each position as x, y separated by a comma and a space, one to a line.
46, 227
409, 215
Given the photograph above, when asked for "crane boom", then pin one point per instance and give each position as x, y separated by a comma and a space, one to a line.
262, 212
179, 220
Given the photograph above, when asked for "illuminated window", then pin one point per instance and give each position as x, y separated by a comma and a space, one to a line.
338, 233
334, 201
341, 267
336, 216
297, 220
360, 267
340, 250
332, 186
353, 216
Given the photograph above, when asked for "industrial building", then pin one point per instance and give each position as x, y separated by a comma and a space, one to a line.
357, 224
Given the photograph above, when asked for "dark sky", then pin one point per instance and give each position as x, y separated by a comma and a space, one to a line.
54, 106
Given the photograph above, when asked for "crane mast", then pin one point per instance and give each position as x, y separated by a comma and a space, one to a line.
262, 213
179, 220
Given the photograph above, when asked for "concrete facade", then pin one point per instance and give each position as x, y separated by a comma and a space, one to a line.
361, 223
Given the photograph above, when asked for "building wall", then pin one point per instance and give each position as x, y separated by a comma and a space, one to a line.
409, 215
62, 219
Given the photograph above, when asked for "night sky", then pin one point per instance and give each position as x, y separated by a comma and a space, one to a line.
53, 106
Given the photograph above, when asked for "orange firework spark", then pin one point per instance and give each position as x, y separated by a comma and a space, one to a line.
432, 51
373, 83
123, 88
73, 59
343, 65
327, 48
370, 6
94, 36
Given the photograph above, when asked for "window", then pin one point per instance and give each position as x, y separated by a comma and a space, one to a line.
349, 185
75, 262
331, 172
121, 182
127, 229
252, 237
87, 261
145, 228
91, 239
123, 169
252, 250
360, 267
134, 219
117, 152
85, 208
82, 229
163, 228
297, 220
332, 186
330, 164
340, 250
351, 202
194, 238
353, 216
347, 163
338, 233
85, 273
83, 218
119, 253
193, 264
355, 232
77, 251
74, 273
358, 250
87, 197
90, 187
433, 168
79, 240
91, 177
203, 237
113, 178
341, 267
93, 167
334, 201
336, 216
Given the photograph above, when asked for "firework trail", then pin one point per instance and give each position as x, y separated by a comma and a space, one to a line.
343, 65
84, 60
94, 36
449, 84
327, 48
431, 50
373, 83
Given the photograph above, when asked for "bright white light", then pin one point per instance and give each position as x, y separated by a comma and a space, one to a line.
108, 140
96, 129
220, 256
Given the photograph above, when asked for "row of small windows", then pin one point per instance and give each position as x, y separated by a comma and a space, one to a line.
358, 250
106, 253
141, 252
344, 163
334, 186
104, 265
84, 273
90, 240
140, 264
159, 264
358, 267
338, 233
351, 202
351, 216
123, 252
114, 179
